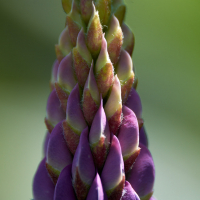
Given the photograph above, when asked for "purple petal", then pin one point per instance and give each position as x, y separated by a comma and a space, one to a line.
129, 137
96, 190
58, 154
129, 193
83, 169
43, 187
113, 172
134, 103
54, 74
64, 189
54, 111
142, 175
46, 141
143, 137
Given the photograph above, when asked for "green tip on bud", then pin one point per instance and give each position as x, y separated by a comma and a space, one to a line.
104, 70
74, 23
82, 59
104, 8
64, 45
66, 4
129, 39
114, 37
94, 33
119, 10
91, 98
124, 70
113, 107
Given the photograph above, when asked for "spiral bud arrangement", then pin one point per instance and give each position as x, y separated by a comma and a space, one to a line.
96, 146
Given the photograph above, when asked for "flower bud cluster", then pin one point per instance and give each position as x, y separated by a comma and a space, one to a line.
96, 147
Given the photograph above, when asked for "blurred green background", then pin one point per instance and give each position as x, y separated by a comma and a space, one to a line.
167, 61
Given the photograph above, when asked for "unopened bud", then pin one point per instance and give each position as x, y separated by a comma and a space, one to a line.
129, 39
113, 106
112, 176
82, 59
91, 97
94, 33
114, 37
124, 70
83, 169
58, 154
104, 70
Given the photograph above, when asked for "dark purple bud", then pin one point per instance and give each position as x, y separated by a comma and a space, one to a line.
58, 154
129, 193
45, 144
83, 169
43, 187
112, 176
142, 175
54, 111
134, 103
143, 137
129, 138
64, 189
96, 190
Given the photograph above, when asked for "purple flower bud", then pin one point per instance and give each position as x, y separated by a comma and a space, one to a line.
112, 176
64, 45
65, 80
58, 155
54, 74
129, 138
91, 97
45, 144
43, 187
143, 137
94, 33
142, 175
83, 169
124, 70
113, 107
82, 59
64, 189
134, 103
99, 138
114, 37
129, 193
96, 190
104, 70
54, 111
129, 39
75, 122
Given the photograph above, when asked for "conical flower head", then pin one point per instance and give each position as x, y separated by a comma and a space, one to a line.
93, 113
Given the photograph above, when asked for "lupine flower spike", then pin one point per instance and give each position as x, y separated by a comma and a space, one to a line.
96, 147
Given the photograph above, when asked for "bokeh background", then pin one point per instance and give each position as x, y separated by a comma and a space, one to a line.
167, 61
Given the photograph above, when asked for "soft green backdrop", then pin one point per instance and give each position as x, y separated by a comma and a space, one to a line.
167, 61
